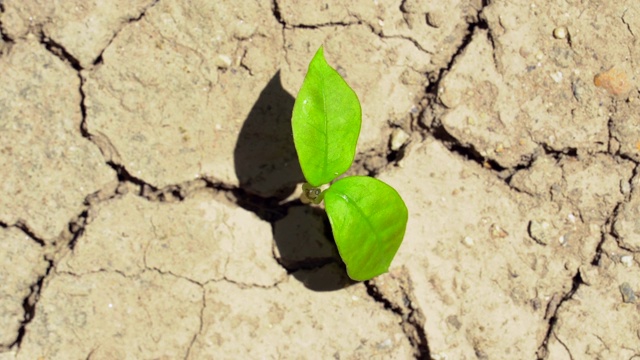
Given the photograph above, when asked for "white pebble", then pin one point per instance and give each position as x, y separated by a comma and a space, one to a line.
223, 61
386, 344
560, 32
556, 76
562, 240
625, 187
398, 138
627, 260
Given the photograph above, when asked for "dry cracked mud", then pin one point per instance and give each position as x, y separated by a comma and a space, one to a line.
148, 202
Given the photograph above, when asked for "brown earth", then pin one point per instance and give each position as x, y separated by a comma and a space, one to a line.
149, 200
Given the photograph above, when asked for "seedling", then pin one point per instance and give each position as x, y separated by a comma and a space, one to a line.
368, 217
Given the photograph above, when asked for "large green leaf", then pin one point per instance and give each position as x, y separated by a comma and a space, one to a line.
368, 219
326, 123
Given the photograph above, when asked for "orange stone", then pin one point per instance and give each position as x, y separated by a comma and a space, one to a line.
614, 80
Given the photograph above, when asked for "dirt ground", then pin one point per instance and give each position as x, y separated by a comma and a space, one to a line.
149, 196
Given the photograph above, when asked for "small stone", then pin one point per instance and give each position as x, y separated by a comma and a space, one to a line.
435, 19
627, 260
540, 231
497, 232
560, 32
243, 30
614, 80
625, 187
398, 138
578, 88
556, 76
223, 61
588, 274
628, 296
440, 356
468, 241
385, 344
563, 239
454, 321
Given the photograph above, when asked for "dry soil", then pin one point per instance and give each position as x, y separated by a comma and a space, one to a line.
149, 185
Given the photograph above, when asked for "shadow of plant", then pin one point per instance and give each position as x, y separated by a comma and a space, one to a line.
265, 158
267, 166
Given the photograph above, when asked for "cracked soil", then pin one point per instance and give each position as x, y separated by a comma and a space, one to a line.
149, 196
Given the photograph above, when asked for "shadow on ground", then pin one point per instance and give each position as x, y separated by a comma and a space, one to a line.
267, 166
265, 158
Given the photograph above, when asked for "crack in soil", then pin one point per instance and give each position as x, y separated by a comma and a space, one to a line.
434, 85
99, 59
275, 10
382, 35
322, 25
22, 225
29, 305
614, 216
195, 336
563, 345
437, 130
468, 152
553, 308
412, 319
270, 210
277, 14
77, 225
626, 23
59, 51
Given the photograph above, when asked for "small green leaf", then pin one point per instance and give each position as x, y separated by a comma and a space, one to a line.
326, 123
368, 219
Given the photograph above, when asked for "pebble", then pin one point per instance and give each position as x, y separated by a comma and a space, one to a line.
223, 61
562, 240
588, 274
468, 241
540, 231
556, 76
435, 19
627, 260
384, 345
614, 80
578, 88
398, 138
498, 232
560, 32
628, 296
625, 187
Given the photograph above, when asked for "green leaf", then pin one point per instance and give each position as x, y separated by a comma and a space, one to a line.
368, 219
326, 123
